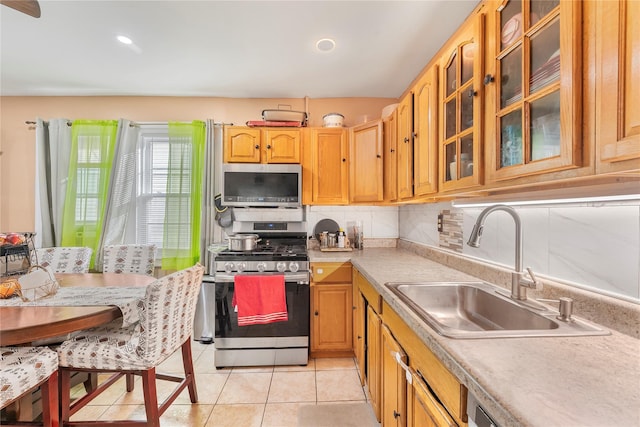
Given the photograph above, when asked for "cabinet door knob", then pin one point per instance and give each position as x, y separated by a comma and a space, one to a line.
268, 147
472, 93
316, 313
488, 79
257, 146
344, 160
415, 135
406, 139
393, 151
396, 414
378, 156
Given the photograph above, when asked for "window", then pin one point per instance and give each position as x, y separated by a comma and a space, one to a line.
165, 190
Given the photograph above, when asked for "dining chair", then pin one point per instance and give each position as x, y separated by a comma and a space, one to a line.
129, 259
63, 259
166, 324
22, 369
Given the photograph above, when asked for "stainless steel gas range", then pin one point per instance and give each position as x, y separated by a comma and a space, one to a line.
281, 251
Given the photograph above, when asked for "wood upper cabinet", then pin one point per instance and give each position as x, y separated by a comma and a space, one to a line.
394, 383
329, 170
366, 159
425, 124
390, 156
331, 309
534, 111
258, 145
242, 145
461, 108
405, 147
282, 145
617, 80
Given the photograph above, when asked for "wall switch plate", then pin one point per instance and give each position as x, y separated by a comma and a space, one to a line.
440, 221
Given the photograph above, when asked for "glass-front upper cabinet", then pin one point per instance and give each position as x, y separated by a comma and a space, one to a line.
461, 108
534, 89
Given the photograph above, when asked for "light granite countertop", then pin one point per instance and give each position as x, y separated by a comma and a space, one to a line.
546, 382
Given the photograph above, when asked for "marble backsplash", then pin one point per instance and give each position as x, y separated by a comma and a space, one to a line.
594, 247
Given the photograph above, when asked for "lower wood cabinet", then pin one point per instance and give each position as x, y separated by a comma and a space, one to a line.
423, 408
374, 365
394, 382
331, 310
393, 352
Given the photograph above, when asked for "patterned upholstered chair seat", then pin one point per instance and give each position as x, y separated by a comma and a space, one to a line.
65, 259
25, 368
166, 324
138, 259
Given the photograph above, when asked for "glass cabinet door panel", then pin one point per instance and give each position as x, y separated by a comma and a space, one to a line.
466, 156
466, 67
541, 8
545, 57
466, 108
511, 77
450, 118
451, 76
511, 139
511, 23
545, 127
450, 162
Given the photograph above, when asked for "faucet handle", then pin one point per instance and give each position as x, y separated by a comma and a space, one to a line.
535, 283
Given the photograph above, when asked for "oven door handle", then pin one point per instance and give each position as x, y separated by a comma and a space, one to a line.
299, 278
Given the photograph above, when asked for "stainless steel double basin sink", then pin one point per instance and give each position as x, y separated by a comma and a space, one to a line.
478, 310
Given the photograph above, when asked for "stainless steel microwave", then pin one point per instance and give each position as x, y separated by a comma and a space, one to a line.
262, 185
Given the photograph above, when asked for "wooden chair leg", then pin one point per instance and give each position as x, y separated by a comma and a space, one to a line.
49, 393
65, 394
91, 383
130, 382
187, 361
151, 397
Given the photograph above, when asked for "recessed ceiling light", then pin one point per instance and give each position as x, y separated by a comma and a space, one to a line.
325, 45
124, 40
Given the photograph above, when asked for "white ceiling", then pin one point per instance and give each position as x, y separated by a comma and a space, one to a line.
239, 49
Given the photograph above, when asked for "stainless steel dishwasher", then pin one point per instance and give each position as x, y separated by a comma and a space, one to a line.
478, 416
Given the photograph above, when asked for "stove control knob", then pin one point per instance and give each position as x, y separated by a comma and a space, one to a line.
261, 267
228, 267
294, 267
281, 266
241, 266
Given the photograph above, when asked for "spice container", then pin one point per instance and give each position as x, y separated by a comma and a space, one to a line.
332, 242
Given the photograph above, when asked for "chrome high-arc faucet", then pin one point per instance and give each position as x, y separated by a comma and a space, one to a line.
519, 282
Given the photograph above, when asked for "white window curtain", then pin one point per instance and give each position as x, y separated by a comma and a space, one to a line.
121, 195
53, 148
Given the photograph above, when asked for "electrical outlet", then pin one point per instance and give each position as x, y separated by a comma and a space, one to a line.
440, 221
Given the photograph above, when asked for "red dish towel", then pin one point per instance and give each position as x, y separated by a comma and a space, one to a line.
260, 299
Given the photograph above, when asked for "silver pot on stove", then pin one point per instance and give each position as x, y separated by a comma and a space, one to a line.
243, 242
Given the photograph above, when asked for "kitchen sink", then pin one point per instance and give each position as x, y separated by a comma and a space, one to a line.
479, 310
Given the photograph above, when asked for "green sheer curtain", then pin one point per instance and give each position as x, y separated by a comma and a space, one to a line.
90, 163
181, 240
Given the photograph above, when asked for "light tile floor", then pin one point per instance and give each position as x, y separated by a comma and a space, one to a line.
237, 397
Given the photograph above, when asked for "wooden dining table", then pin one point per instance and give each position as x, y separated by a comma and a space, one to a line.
22, 325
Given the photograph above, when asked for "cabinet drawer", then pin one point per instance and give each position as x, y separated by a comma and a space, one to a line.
331, 272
